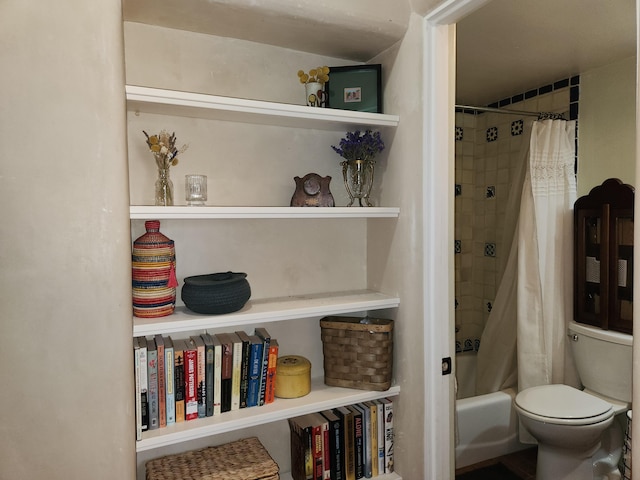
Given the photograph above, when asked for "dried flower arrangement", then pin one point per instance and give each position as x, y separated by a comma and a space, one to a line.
360, 146
163, 147
320, 75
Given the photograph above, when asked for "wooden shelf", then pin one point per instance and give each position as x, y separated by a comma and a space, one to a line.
145, 212
322, 397
267, 310
213, 107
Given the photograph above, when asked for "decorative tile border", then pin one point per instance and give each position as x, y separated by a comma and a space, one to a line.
459, 133
490, 192
517, 128
492, 134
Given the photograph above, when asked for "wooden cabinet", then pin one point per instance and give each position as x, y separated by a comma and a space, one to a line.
604, 257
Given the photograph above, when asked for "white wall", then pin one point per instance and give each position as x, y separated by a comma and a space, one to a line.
65, 328
607, 125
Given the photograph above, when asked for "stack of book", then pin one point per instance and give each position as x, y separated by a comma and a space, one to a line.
346, 443
179, 380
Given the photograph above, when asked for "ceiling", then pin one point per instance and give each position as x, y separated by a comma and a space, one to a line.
512, 46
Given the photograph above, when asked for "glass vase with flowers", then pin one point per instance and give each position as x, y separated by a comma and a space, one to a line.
164, 150
359, 150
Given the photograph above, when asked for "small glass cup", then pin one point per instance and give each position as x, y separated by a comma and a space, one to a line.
195, 188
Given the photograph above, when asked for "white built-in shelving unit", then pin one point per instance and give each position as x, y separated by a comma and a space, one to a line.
176, 103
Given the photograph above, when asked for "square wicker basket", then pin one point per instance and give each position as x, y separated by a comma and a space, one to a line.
243, 459
358, 352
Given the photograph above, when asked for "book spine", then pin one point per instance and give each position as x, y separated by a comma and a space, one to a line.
380, 409
244, 368
253, 394
152, 375
202, 388
217, 377
178, 375
298, 450
162, 391
326, 451
138, 404
227, 372
373, 412
191, 384
388, 435
236, 372
349, 442
144, 384
366, 443
270, 390
317, 452
266, 343
357, 440
335, 445
209, 367
170, 382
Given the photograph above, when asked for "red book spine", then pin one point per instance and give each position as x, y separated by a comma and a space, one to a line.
270, 393
191, 384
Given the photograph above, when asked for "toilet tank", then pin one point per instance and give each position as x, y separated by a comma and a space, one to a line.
603, 359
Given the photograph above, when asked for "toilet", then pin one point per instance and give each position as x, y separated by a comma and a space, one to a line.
578, 434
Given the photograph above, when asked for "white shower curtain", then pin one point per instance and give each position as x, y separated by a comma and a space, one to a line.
523, 342
545, 257
496, 365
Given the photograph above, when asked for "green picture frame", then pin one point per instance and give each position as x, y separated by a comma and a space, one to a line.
356, 87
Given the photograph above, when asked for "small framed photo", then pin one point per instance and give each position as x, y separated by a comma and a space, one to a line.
357, 87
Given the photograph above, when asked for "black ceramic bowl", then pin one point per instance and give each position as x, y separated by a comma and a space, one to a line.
216, 293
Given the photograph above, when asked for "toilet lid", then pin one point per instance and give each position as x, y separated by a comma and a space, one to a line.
561, 402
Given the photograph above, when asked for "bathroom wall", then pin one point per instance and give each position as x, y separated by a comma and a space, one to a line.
486, 145
487, 152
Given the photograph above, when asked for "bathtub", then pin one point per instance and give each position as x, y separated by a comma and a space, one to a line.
487, 425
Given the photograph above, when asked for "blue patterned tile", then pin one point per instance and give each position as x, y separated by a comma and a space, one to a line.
492, 134
458, 189
489, 249
517, 128
459, 133
491, 192
457, 248
458, 346
476, 344
468, 345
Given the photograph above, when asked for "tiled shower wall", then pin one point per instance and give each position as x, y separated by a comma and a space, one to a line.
486, 153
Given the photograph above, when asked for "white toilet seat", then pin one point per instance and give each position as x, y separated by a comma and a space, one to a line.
563, 405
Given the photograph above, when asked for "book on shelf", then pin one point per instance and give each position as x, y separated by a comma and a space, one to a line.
244, 372
226, 372
272, 364
388, 434
381, 451
357, 441
366, 439
162, 390
373, 435
201, 366
138, 403
301, 448
349, 463
179, 346
169, 383
208, 372
255, 370
190, 381
236, 375
217, 375
152, 377
266, 343
324, 448
144, 383
336, 444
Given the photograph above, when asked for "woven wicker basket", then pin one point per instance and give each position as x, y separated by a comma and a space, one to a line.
358, 352
243, 459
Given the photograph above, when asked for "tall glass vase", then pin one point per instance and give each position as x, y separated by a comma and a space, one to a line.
164, 188
358, 180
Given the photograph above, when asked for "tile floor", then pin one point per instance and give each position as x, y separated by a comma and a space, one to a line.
522, 463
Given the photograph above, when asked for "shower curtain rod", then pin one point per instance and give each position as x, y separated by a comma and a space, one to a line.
511, 112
